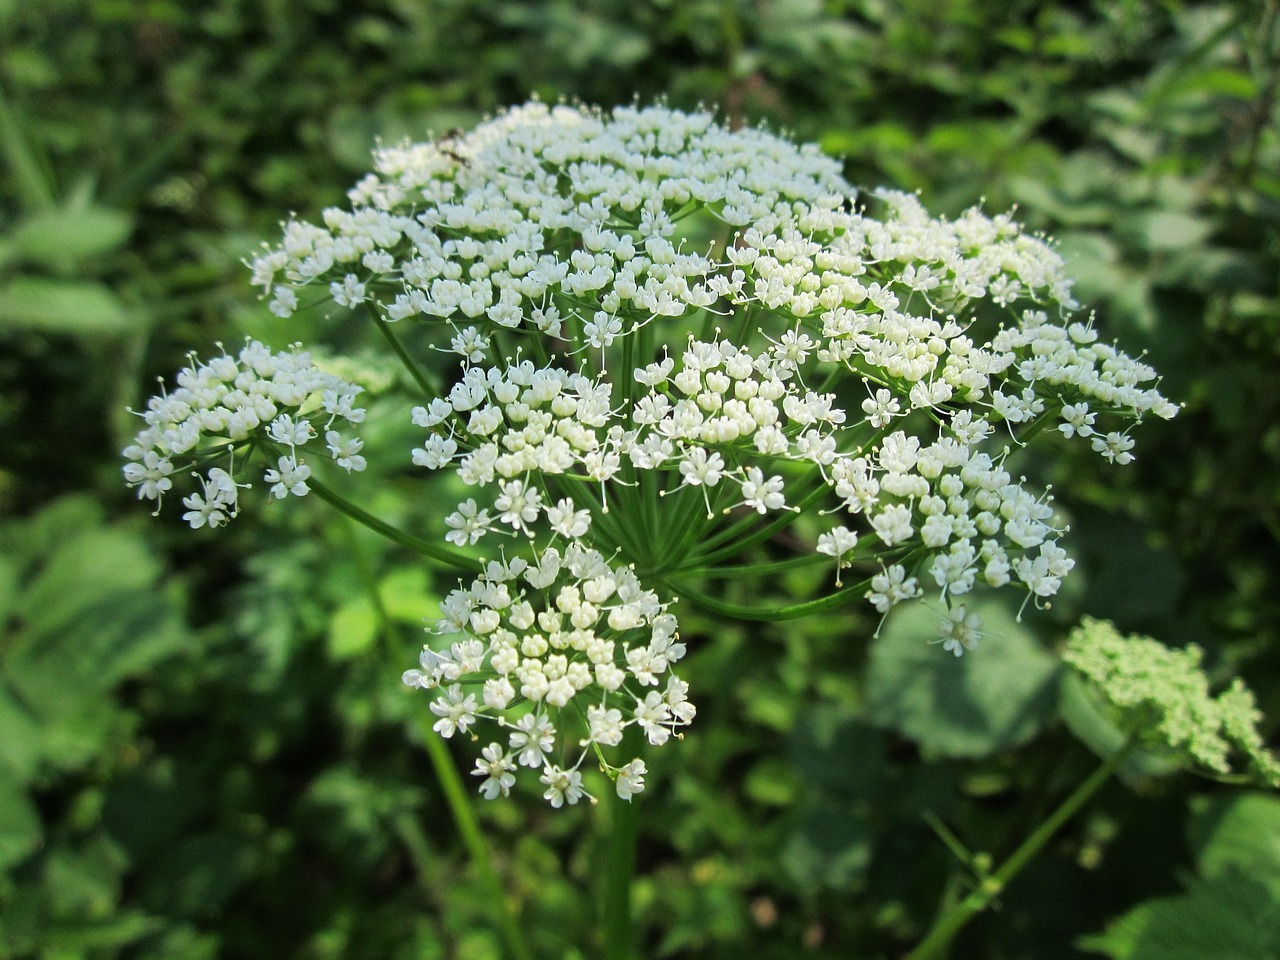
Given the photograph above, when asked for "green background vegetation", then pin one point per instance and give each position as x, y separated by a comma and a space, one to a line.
205, 750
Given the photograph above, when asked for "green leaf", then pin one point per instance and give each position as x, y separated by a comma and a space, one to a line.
352, 629
1162, 231
829, 848
20, 743
1240, 833
88, 571
972, 706
1230, 917
20, 830
74, 308
406, 597
60, 235
8, 588
198, 874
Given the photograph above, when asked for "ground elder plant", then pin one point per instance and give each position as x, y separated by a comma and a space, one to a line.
669, 342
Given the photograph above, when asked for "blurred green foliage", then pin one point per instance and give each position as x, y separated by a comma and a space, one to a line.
204, 747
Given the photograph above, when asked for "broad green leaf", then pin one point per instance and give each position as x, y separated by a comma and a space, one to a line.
1218, 82
92, 569
1162, 231
353, 629
71, 307
20, 741
20, 830
992, 698
1230, 917
120, 930
829, 847
406, 596
59, 235
832, 750
83, 879
1240, 832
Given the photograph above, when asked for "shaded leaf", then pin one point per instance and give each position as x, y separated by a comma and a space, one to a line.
1230, 917
20, 830
1239, 833
830, 847
973, 706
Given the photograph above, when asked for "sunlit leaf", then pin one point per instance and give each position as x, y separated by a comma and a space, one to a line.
71, 307
59, 235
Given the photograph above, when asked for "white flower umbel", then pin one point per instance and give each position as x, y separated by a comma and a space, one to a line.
668, 341
257, 398
565, 650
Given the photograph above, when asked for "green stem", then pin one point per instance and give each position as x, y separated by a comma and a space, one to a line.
737, 539
384, 327
446, 556
770, 614
464, 819
455, 794
620, 867
951, 922
752, 569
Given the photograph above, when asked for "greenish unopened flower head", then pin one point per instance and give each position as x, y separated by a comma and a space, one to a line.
1162, 697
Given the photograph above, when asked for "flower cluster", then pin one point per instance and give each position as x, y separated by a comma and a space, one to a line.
672, 339
568, 630
274, 400
1162, 696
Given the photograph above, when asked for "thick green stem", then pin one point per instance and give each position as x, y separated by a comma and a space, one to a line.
619, 870
951, 922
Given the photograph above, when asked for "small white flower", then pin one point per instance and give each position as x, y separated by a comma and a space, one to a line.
289, 477
346, 452
563, 786
499, 772
958, 631
456, 710
631, 779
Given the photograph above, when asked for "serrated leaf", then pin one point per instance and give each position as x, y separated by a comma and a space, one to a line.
20, 829
988, 700
74, 308
1239, 833
1228, 918
59, 235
